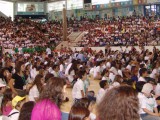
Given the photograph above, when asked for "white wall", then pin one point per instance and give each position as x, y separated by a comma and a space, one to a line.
150, 48
7, 8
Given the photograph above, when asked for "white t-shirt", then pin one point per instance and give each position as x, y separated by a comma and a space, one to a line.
114, 70
148, 103
77, 88
67, 69
97, 70
14, 116
105, 78
61, 68
115, 84
100, 95
70, 76
48, 50
141, 79
54, 73
33, 73
120, 73
33, 93
91, 72
153, 74
111, 77
108, 65
157, 89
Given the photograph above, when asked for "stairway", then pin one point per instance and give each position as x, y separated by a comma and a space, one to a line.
74, 37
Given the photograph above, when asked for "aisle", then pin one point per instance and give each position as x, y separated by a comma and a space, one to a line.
94, 85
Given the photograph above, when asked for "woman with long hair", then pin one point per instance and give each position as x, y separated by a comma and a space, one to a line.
26, 110
18, 82
36, 88
120, 103
51, 98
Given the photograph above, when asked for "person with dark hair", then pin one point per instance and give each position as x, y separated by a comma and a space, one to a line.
155, 71
134, 73
26, 110
48, 76
104, 86
50, 100
18, 82
139, 85
79, 113
71, 70
143, 73
6, 106
85, 102
55, 70
6, 75
105, 75
78, 88
36, 88
119, 103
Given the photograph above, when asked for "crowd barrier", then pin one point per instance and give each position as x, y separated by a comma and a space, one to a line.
150, 48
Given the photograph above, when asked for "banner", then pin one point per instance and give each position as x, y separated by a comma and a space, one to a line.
87, 6
74, 4
30, 8
56, 6
152, 1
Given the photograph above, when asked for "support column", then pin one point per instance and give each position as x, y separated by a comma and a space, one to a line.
64, 25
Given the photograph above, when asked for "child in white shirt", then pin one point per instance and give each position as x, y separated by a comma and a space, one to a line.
104, 86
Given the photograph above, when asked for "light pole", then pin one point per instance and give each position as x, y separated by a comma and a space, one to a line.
64, 22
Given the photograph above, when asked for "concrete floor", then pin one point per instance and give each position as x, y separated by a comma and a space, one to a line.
94, 85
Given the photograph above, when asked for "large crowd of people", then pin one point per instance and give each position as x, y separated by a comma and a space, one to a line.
33, 85
120, 31
26, 33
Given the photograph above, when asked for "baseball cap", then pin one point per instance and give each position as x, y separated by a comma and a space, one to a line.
16, 100
2, 85
147, 88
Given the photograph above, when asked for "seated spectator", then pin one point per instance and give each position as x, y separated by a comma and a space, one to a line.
79, 113
148, 105
26, 110
143, 73
6, 106
36, 88
78, 88
104, 87
17, 104
19, 81
119, 103
50, 100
